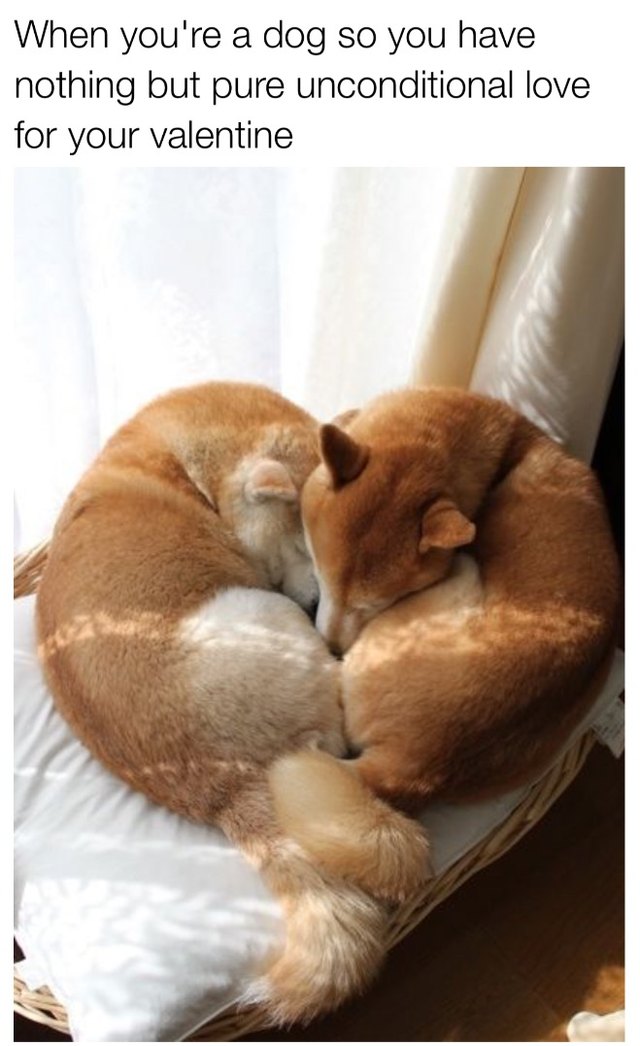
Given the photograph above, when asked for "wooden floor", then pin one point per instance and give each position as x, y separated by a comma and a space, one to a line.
516, 951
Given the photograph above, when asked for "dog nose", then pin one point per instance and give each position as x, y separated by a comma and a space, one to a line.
335, 649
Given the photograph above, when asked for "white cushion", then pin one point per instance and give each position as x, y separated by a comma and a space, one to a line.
144, 925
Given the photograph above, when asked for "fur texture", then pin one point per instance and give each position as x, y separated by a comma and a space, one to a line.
469, 687
175, 661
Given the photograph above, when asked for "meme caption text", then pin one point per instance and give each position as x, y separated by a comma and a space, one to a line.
409, 65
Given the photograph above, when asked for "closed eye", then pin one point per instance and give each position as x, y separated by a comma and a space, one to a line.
373, 607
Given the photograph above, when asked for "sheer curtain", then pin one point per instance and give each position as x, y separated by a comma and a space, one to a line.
329, 284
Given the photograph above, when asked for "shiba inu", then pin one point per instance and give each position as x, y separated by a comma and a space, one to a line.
463, 674
171, 646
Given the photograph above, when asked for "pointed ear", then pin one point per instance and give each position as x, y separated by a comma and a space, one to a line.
344, 458
267, 479
344, 419
445, 526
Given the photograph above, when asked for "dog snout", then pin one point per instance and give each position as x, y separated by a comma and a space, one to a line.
338, 626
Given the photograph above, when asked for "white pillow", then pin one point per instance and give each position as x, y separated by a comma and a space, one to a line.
142, 924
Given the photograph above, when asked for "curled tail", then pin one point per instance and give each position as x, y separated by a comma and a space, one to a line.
334, 931
321, 803
323, 858
335, 939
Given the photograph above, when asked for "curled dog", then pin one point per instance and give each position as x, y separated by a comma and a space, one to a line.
463, 674
171, 646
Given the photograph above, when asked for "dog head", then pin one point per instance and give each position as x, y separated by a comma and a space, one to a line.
260, 502
381, 523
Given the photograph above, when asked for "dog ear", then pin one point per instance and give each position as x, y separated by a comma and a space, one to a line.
267, 479
344, 458
445, 526
344, 419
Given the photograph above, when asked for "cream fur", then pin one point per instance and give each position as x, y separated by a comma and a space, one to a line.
274, 674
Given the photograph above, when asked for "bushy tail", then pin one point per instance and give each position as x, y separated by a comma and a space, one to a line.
335, 932
335, 940
322, 804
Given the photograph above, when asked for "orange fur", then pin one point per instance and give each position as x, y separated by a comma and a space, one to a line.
175, 661
325, 807
458, 684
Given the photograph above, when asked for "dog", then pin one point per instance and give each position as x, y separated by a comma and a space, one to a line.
170, 639
467, 570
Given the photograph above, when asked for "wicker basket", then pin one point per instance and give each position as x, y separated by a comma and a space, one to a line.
233, 1023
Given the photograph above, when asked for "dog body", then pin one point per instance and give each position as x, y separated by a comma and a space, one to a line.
155, 600
468, 687
175, 661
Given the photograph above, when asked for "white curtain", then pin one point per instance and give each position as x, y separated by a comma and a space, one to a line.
329, 284
529, 301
